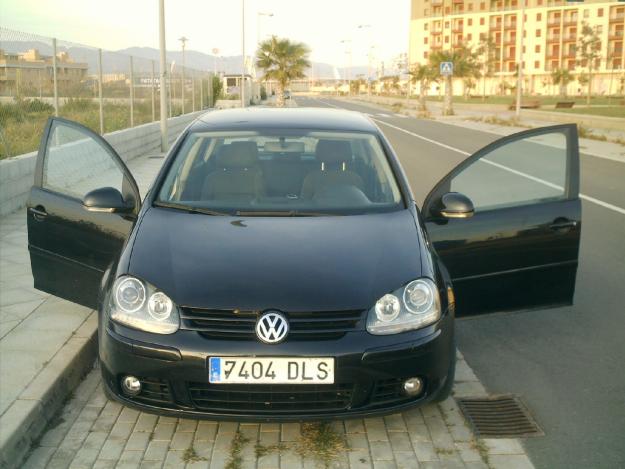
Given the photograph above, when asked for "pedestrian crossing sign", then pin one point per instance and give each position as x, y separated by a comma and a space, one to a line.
447, 68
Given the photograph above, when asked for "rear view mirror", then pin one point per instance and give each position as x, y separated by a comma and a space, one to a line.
453, 205
106, 199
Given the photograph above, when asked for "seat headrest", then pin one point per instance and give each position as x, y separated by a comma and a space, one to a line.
333, 152
238, 155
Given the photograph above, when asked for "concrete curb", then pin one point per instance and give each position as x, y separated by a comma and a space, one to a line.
24, 422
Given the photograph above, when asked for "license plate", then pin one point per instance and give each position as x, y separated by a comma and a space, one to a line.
278, 370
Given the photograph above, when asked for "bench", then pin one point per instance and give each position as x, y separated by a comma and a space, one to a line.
565, 104
534, 104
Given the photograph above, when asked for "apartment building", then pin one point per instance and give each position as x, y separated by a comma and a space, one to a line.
30, 72
547, 38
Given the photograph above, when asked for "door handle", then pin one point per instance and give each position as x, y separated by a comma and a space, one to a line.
563, 224
39, 212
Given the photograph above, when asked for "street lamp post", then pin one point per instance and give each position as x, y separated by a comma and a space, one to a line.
348, 68
184, 43
163, 74
519, 77
242, 87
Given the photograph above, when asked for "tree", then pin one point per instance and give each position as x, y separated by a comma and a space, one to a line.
283, 61
465, 66
425, 75
487, 53
562, 77
589, 51
217, 89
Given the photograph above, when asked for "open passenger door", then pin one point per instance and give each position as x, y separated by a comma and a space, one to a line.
506, 222
82, 206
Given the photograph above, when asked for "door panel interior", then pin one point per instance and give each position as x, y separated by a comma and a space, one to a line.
520, 248
70, 247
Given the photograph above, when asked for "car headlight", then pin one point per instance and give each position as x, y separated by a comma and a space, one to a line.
140, 305
413, 306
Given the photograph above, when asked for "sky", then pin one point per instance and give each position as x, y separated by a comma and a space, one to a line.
211, 24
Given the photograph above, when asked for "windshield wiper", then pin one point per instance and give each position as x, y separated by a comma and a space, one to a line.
281, 213
190, 209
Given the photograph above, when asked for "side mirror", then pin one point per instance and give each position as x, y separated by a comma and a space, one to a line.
453, 205
106, 199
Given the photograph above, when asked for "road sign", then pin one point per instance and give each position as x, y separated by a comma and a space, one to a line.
447, 68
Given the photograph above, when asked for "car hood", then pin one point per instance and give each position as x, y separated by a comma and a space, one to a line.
286, 263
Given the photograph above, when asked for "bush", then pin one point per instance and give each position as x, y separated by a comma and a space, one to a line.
78, 105
36, 105
263, 93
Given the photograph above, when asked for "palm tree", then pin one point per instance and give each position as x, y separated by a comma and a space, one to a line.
562, 77
425, 75
465, 66
283, 61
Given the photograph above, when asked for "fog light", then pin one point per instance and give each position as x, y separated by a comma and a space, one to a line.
131, 385
413, 386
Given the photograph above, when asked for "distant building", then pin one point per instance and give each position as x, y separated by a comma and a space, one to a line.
549, 37
30, 72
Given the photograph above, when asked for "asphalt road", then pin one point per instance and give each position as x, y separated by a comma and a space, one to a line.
567, 364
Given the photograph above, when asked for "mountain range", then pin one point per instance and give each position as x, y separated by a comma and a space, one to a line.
118, 61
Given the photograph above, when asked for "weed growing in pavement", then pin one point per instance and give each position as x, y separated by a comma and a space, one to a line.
190, 455
481, 448
262, 450
235, 460
511, 122
320, 441
397, 106
584, 132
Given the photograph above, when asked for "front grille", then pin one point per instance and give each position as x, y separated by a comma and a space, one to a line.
154, 392
270, 398
237, 324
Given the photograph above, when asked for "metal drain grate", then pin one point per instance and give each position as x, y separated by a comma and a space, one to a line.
499, 417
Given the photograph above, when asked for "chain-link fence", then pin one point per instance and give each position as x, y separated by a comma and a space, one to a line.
104, 90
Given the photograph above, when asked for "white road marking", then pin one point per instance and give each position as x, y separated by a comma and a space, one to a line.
519, 173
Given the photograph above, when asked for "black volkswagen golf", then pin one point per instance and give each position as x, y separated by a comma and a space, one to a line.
279, 267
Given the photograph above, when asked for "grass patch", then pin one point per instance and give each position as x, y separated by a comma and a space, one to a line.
22, 121
544, 100
606, 111
190, 455
235, 460
321, 442
262, 450
397, 107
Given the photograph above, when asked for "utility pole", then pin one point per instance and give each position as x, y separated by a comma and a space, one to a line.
163, 74
519, 77
184, 43
242, 87
348, 68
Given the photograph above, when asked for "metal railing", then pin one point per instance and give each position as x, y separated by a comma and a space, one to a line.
102, 89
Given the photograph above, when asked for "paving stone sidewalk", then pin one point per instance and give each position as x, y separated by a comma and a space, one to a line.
41, 336
93, 432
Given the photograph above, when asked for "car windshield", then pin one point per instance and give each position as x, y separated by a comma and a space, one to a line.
281, 174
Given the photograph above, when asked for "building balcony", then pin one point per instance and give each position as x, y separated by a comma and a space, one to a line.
553, 22
569, 55
570, 21
617, 18
616, 35
458, 2
569, 38
436, 32
615, 53
511, 25
552, 39
457, 29
495, 26
509, 42
436, 2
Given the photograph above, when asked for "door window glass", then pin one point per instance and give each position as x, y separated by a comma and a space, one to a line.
521, 172
75, 163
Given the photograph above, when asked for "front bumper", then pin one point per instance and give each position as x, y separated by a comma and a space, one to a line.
369, 374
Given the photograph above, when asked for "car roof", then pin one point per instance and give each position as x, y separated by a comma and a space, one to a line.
253, 118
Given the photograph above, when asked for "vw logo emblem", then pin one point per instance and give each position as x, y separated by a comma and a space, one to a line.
272, 327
